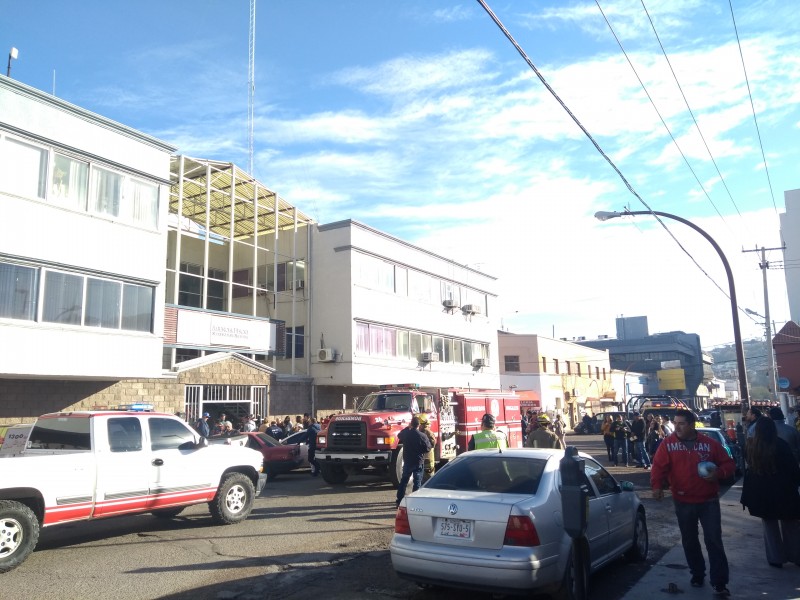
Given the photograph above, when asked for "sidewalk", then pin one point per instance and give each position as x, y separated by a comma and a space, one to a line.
750, 575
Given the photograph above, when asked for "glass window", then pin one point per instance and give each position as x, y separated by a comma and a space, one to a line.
420, 286
427, 342
415, 345
383, 340
295, 337
106, 191
124, 434
63, 298
18, 291
605, 483
102, 303
458, 351
69, 184
468, 353
438, 346
62, 433
167, 434
141, 202
401, 281
555, 365
191, 291
448, 350
24, 169
402, 343
544, 365
362, 338
512, 363
137, 308
497, 473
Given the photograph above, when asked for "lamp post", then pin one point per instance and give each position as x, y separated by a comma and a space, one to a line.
12, 55
737, 334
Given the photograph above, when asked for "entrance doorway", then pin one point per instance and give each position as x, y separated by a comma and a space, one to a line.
236, 401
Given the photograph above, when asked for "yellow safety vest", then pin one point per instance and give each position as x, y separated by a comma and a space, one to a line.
489, 438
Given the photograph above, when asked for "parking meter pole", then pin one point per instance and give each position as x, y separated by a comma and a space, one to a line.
575, 513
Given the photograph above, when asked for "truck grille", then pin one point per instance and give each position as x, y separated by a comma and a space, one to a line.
347, 435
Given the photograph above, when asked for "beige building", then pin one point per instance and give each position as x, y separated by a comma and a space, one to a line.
571, 379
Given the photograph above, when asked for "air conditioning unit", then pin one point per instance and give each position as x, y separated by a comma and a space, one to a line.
326, 355
582, 338
480, 362
430, 357
299, 284
472, 309
449, 303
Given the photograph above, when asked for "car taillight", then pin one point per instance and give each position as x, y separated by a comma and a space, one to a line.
520, 531
401, 524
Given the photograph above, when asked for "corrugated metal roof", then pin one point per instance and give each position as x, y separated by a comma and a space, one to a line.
239, 205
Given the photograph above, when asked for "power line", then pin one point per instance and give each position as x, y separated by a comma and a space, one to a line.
702, 137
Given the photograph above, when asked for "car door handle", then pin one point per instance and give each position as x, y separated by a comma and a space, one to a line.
157, 462
608, 508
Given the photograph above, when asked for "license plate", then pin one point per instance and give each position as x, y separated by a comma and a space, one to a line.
456, 528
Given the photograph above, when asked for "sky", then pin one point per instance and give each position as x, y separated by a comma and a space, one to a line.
421, 119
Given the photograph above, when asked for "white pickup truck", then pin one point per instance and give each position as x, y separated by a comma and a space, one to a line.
94, 464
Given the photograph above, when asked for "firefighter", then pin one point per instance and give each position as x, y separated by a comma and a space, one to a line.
430, 461
487, 437
540, 435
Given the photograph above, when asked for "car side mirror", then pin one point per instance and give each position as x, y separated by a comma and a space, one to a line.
202, 442
626, 486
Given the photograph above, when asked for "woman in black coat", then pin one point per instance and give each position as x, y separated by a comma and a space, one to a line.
770, 492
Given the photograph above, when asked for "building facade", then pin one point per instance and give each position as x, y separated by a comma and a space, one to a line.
790, 235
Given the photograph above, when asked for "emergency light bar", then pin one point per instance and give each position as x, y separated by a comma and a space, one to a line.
395, 386
138, 407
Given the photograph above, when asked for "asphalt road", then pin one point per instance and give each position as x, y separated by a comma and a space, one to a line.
304, 539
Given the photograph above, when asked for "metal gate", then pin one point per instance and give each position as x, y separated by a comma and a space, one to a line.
236, 400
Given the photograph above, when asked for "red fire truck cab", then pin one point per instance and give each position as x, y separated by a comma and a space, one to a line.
367, 438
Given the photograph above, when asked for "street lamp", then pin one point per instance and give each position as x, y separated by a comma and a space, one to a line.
737, 334
12, 55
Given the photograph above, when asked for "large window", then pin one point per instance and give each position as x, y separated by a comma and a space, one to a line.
103, 303
106, 192
24, 169
137, 308
512, 363
141, 202
295, 338
63, 298
18, 290
380, 340
69, 183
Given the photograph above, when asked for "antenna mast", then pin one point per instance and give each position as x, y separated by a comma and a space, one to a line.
251, 85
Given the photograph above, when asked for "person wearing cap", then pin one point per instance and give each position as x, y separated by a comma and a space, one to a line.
787, 433
430, 459
415, 446
202, 425
540, 435
487, 437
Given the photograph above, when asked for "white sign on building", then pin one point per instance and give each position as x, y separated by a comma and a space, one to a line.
203, 329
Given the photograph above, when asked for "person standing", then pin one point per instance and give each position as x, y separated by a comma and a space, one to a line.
311, 441
638, 437
487, 437
558, 429
415, 447
787, 433
429, 464
608, 436
621, 430
540, 436
202, 425
524, 425
696, 496
770, 492
753, 415
249, 424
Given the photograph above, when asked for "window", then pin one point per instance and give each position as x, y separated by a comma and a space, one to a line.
102, 303
18, 291
450, 291
141, 202
604, 373
124, 434
106, 192
137, 308
167, 434
24, 169
597, 372
569, 367
601, 478
458, 351
295, 338
578, 365
63, 298
69, 183
555, 365
402, 344
512, 363
401, 281
70, 433
362, 338
544, 365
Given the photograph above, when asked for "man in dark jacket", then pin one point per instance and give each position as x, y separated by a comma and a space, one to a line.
202, 426
696, 496
415, 446
313, 430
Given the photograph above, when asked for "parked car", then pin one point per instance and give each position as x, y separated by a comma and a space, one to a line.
299, 439
491, 521
278, 458
733, 450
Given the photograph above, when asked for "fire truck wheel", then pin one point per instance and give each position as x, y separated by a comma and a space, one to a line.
334, 474
19, 532
396, 468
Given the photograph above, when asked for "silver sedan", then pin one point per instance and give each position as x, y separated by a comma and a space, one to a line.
493, 521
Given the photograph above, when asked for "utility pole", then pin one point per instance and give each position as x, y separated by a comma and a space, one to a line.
773, 375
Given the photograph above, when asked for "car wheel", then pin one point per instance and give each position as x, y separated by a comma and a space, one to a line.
641, 542
19, 532
167, 513
234, 500
333, 474
575, 585
396, 468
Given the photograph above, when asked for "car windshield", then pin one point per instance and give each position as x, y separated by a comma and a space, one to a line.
400, 401
301, 437
495, 473
268, 439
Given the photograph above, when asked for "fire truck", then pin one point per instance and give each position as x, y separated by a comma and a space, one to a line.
367, 438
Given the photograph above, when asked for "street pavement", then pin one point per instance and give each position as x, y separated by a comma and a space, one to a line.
751, 576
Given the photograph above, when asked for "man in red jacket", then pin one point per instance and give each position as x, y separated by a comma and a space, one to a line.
696, 497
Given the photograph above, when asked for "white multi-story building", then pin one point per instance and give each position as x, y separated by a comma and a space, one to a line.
790, 234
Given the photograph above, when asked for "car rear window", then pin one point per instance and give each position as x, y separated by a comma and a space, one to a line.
61, 433
495, 473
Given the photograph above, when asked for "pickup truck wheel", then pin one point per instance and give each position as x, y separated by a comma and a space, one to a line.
167, 513
234, 500
334, 474
396, 468
19, 532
